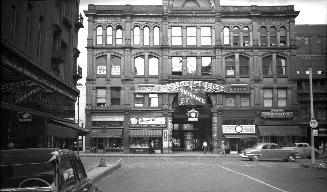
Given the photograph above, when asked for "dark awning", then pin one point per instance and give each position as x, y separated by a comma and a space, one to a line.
239, 136
281, 130
64, 129
145, 133
109, 133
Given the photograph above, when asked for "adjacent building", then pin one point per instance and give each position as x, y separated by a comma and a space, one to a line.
169, 77
39, 72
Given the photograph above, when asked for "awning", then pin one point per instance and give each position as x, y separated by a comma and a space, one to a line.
145, 133
64, 129
322, 132
281, 130
239, 136
109, 133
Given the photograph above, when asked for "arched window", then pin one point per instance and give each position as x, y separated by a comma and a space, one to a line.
139, 65
282, 36
156, 36
101, 65
146, 36
226, 36
115, 65
246, 36
273, 36
137, 34
236, 36
109, 35
119, 35
99, 36
230, 65
267, 65
263, 36
281, 66
244, 65
153, 65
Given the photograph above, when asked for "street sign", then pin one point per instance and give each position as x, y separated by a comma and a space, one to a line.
315, 132
313, 124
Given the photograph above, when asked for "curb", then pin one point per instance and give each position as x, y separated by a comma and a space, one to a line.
103, 171
158, 155
313, 167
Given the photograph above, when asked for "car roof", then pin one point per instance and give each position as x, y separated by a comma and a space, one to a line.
31, 155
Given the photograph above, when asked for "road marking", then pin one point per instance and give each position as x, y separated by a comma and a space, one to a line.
118, 161
252, 178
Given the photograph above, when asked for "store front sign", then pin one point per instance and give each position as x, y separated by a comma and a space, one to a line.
239, 129
148, 122
193, 115
277, 114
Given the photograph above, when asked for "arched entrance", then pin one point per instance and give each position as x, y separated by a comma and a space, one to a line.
189, 132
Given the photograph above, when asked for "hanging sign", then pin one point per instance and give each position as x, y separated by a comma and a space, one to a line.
193, 115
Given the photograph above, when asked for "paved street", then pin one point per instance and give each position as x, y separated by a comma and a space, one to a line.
210, 174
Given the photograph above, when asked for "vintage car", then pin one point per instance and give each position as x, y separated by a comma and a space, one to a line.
304, 149
269, 151
43, 169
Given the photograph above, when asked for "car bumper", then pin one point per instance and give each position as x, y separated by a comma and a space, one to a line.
243, 155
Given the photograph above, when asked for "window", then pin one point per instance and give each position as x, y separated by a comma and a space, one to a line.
226, 36
154, 101
230, 65
191, 65
205, 35
281, 97
109, 35
115, 65
146, 36
139, 100
267, 65
281, 66
191, 35
282, 36
99, 36
139, 65
153, 65
115, 95
267, 97
230, 101
176, 65
66, 174
236, 36
156, 36
206, 66
101, 97
176, 36
101, 63
244, 65
263, 36
119, 35
245, 101
137, 33
273, 36
246, 36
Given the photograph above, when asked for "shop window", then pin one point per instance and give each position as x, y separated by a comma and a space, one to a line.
282, 36
154, 100
146, 36
115, 65
267, 65
230, 101
273, 36
156, 36
244, 65
205, 35
119, 35
139, 65
109, 35
107, 124
226, 36
191, 65
101, 97
176, 35
236, 36
230, 65
281, 97
139, 100
153, 65
246, 36
191, 35
136, 36
245, 101
101, 64
99, 36
281, 66
176, 65
115, 95
267, 97
263, 36
206, 66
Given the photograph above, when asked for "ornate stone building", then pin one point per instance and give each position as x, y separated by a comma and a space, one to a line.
168, 77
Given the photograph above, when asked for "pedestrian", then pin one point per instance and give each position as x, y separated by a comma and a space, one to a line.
205, 147
223, 147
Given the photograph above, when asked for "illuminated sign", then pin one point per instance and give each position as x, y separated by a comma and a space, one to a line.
277, 114
237, 129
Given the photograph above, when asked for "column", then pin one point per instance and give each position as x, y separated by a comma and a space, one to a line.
214, 132
167, 135
126, 148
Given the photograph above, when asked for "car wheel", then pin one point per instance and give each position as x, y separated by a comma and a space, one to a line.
255, 158
291, 158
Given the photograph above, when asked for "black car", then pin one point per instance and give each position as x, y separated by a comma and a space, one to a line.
43, 169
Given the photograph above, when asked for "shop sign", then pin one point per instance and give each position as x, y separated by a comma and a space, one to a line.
24, 117
148, 122
276, 114
192, 115
239, 129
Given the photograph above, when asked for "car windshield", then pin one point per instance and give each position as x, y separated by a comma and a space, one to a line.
27, 175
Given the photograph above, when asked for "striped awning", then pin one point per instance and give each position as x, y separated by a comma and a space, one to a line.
109, 133
145, 133
281, 130
239, 136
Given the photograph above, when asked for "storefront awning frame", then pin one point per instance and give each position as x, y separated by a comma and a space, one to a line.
109, 133
145, 133
280, 130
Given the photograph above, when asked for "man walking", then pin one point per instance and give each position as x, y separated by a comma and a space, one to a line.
222, 146
205, 147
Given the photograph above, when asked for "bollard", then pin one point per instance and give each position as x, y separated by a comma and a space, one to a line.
102, 163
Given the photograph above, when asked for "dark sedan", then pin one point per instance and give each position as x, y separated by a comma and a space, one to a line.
43, 169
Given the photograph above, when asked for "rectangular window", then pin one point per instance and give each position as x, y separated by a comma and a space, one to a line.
191, 65
154, 100
244, 65
245, 101
267, 65
281, 97
153, 66
191, 35
230, 101
206, 66
109, 35
205, 35
101, 97
267, 97
99, 36
177, 65
281, 66
115, 65
176, 35
139, 100
115, 95
230, 66
139, 65
101, 69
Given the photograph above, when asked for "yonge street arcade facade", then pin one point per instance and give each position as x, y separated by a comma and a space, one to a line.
165, 78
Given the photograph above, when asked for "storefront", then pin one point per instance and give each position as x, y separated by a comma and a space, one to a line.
106, 140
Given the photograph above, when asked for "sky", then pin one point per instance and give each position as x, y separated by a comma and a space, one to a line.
311, 12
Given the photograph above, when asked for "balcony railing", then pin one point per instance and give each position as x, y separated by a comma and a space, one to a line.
78, 22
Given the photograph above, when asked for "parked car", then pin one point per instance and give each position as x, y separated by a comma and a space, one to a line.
268, 151
43, 169
304, 149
